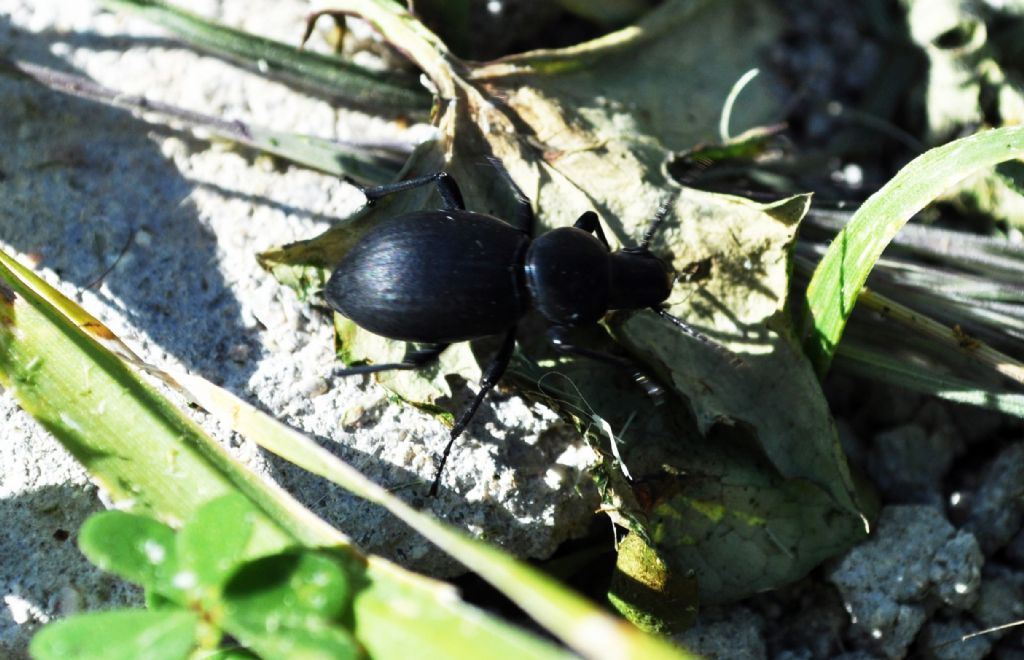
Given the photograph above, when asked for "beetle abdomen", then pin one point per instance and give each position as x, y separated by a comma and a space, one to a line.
433, 276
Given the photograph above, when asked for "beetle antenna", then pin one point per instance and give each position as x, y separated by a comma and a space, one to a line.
659, 219
734, 359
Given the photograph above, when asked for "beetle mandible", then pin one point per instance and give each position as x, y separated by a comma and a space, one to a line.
435, 277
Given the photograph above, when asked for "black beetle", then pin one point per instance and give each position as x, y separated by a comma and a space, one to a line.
437, 277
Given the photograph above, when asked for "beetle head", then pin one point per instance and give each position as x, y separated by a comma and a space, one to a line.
638, 279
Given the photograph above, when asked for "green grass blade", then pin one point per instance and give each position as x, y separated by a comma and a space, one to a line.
570, 617
948, 339
839, 277
314, 72
876, 364
324, 155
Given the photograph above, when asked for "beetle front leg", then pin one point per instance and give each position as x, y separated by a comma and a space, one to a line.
558, 335
590, 223
446, 186
413, 359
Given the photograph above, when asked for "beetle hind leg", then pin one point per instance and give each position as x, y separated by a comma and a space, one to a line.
413, 359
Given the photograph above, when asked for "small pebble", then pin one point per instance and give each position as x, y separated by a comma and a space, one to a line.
998, 507
914, 559
908, 464
725, 634
942, 640
239, 353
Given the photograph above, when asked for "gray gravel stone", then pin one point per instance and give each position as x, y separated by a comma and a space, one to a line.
942, 640
726, 634
914, 562
804, 620
908, 464
1000, 599
997, 508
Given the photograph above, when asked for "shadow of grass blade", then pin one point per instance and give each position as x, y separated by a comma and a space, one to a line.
370, 163
841, 274
313, 72
133, 441
147, 453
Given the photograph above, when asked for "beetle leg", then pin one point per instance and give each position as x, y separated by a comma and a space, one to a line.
446, 186
495, 370
525, 218
413, 359
558, 335
589, 223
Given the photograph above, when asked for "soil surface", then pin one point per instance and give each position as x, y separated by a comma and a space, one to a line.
155, 231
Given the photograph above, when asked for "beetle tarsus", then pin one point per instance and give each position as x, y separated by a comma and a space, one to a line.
659, 219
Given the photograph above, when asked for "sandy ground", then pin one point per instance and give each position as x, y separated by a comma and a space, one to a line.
155, 232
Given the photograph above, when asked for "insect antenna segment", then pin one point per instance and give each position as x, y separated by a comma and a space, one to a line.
690, 331
659, 219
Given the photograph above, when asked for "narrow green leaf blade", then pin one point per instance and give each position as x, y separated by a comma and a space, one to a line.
840, 276
133, 441
321, 154
368, 163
